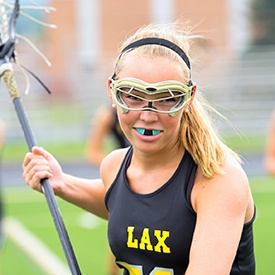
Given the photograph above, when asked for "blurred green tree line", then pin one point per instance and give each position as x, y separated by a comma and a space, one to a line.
263, 22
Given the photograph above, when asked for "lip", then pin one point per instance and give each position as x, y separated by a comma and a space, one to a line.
147, 132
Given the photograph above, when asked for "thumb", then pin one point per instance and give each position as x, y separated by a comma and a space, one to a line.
42, 152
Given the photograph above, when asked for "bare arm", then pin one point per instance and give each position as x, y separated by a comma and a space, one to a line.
270, 148
223, 205
87, 194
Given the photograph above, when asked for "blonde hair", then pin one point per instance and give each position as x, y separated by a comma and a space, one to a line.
198, 135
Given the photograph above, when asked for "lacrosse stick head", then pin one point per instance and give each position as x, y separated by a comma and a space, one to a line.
8, 38
7, 33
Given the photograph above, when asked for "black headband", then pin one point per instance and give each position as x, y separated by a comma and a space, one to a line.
161, 42
156, 41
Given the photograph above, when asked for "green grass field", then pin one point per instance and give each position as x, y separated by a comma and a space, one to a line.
88, 233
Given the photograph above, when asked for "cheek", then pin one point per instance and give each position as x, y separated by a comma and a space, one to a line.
125, 120
174, 124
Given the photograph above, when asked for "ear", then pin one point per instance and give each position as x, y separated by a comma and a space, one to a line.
109, 83
193, 94
192, 98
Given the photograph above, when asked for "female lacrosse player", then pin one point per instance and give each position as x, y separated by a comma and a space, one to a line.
177, 201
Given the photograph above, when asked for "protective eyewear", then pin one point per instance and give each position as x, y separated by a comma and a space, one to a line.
167, 97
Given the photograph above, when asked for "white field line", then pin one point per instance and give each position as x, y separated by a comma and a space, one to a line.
32, 246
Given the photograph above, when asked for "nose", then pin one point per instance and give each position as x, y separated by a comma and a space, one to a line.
148, 116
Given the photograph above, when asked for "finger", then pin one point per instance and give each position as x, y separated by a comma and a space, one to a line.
28, 157
31, 155
42, 152
36, 151
32, 160
35, 174
30, 170
35, 164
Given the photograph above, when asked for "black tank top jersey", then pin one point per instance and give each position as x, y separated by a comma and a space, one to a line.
151, 234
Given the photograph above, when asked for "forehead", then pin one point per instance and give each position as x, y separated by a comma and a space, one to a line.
150, 69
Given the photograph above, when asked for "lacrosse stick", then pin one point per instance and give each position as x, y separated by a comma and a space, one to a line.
7, 55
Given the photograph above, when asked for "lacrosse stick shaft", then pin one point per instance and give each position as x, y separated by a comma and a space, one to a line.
9, 80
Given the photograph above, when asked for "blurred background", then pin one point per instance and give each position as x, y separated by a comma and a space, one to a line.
234, 68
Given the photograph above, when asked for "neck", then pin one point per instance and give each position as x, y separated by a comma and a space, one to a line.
163, 158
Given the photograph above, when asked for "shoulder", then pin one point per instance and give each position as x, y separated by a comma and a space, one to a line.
110, 166
232, 187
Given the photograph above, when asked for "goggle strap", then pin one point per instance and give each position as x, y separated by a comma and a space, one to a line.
156, 41
161, 42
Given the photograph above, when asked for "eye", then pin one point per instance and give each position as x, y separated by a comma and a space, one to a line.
168, 100
131, 97
132, 94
